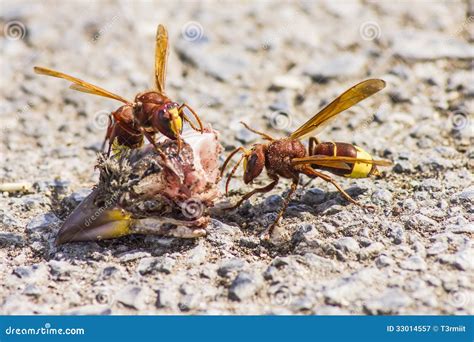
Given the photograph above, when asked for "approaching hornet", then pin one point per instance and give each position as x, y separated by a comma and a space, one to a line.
288, 158
150, 113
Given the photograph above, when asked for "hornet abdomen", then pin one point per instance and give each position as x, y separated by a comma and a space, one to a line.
339, 149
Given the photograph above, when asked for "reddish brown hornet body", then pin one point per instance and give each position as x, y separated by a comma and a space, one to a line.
340, 149
288, 157
152, 112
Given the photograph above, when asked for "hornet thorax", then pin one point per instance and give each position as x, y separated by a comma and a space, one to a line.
278, 156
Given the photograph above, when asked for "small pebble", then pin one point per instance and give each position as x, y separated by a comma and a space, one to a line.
347, 245
314, 196
383, 261
230, 265
244, 286
154, 265
132, 297
382, 197
413, 263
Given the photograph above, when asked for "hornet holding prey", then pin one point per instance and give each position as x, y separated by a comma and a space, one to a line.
151, 112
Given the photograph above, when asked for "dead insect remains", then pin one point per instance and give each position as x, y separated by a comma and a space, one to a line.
141, 192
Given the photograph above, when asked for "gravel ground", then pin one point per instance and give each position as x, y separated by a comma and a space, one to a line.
271, 64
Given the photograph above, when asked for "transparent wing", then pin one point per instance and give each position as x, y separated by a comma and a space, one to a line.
344, 101
338, 162
79, 84
161, 56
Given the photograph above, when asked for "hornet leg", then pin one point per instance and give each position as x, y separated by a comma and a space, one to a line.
264, 189
313, 173
185, 117
268, 232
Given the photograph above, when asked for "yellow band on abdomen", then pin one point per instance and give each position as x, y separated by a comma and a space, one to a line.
361, 170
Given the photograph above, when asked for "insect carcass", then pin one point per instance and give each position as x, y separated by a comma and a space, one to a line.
141, 192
